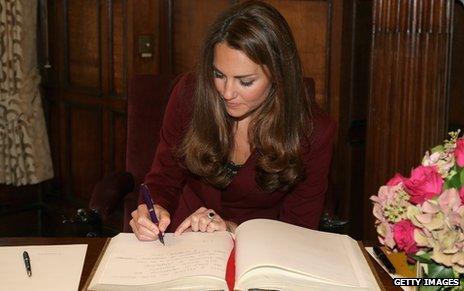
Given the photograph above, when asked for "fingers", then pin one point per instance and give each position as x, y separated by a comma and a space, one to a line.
143, 227
140, 233
187, 223
212, 227
183, 226
204, 220
163, 217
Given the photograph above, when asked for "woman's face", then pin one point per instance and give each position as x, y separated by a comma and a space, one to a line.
242, 83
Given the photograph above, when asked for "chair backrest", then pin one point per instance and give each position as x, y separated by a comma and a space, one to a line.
147, 99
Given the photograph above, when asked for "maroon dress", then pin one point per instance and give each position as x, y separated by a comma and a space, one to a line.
178, 191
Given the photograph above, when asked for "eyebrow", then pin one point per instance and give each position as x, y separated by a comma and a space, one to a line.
238, 77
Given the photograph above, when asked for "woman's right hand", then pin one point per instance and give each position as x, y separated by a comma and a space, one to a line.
143, 227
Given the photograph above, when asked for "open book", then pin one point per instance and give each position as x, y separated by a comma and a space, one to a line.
269, 254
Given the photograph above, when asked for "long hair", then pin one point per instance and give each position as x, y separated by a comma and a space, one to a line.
281, 122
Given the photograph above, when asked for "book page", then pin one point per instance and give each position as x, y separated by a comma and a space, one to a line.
128, 261
326, 257
54, 267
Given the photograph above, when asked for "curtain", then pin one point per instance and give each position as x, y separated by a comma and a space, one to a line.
24, 148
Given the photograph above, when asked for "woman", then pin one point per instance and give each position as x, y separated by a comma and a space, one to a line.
240, 139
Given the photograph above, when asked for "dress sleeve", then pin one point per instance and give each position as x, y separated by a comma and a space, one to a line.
167, 177
304, 205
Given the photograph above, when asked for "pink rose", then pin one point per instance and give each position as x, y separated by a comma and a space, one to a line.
461, 194
395, 180
459, 152
403, 234
425, 182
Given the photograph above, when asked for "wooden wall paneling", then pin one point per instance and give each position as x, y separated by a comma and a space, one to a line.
107, 141
408, 89
114, 140
85, 149
18, 210
456, 105
86, 89
118, 48
105, 46
191, 20
165, 38
64, 176
119, 123
128, 7
45, 43
353, 111
143, 18
310, 21
83, 22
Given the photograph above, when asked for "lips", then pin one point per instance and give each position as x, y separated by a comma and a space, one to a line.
232, 104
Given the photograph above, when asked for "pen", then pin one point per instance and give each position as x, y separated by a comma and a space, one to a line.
27, 263
383, 258
151, 209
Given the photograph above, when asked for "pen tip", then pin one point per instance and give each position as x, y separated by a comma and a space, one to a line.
29, 273
162, 240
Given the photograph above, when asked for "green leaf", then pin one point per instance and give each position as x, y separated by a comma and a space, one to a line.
423, 258
454, 182
439, 271
438, 148
461, 176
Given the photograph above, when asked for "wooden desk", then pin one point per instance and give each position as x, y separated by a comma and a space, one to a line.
95, 246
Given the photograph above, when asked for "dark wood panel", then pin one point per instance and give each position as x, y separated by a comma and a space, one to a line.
19, 210
143, 18
355, 167
353, 113
456, 106
83, 44
85, 149
118, 55
309, 21
113, 145
190, 22
409, 89
87, 98
361, 57
53, 130
119, 141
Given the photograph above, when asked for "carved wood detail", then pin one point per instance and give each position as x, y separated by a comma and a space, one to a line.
407, 111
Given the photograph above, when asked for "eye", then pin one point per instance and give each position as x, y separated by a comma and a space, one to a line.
246, 83
218, 75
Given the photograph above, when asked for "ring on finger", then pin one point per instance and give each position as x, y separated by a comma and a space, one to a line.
211, 215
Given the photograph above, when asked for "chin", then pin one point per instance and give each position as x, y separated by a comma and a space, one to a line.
237, 114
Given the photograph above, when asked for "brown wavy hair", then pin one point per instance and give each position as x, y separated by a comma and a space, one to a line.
281, 122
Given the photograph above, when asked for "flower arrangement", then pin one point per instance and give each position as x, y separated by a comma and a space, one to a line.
423, 215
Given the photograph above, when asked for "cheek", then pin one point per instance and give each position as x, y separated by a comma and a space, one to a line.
255, 95
219, 85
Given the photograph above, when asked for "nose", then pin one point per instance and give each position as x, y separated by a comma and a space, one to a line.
228, 92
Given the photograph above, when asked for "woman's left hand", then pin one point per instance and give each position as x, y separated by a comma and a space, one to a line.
204, 220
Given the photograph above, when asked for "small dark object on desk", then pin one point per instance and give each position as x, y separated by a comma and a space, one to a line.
383, 258
86, 222
27, 263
